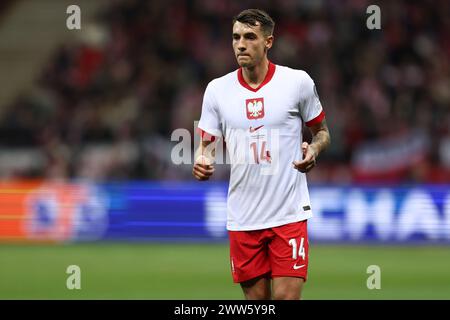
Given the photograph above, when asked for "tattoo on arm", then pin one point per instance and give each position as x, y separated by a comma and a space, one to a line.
321, 137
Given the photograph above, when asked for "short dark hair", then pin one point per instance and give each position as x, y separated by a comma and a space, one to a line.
252, 16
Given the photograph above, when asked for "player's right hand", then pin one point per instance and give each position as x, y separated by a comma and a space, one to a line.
203, 168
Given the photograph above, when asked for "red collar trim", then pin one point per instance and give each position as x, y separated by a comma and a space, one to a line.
268, 77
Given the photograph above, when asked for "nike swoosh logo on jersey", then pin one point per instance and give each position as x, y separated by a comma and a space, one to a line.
254, 129
296, 267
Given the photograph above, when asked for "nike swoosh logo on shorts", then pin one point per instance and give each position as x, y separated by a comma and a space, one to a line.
254, 129
298, 267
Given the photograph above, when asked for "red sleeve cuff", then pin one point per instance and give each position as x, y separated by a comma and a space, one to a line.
205, 135
316, 120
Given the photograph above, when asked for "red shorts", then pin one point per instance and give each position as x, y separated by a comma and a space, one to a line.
279, 252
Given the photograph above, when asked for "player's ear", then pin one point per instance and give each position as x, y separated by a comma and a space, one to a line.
269, 42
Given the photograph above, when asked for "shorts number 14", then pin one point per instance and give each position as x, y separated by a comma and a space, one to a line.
301, 249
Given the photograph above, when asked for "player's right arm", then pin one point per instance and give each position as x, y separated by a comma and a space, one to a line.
204, 157
209, 129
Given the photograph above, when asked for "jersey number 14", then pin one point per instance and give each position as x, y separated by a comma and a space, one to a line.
264, 155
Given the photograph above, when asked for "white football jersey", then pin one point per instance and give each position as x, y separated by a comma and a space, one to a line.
262, 129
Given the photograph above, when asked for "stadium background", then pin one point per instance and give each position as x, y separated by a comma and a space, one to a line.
86, 119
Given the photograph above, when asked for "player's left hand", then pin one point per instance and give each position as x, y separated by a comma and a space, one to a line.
309, 158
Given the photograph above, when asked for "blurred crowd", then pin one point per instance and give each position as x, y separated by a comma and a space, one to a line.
104, 108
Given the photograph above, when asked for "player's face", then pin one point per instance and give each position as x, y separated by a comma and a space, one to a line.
250, 45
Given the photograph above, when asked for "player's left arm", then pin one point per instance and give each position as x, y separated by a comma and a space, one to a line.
320, 141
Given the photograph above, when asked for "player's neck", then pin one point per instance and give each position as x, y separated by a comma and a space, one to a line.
255, 75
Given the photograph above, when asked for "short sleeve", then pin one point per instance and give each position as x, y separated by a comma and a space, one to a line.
210, 119
310, 107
